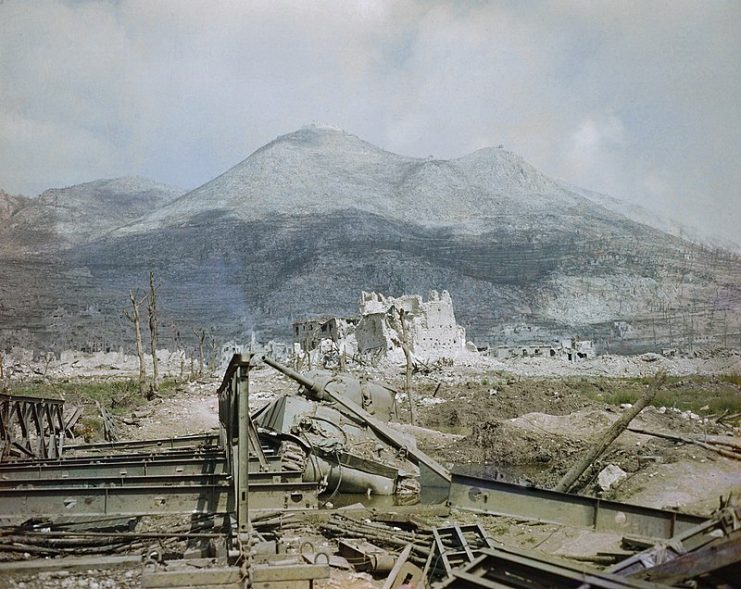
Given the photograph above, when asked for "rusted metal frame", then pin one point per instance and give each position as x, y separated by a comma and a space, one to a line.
22, 409
40, 448
244, 442
87, 534
288, 476
41, 425
22, 450
713, 530
53, 430
49, 431
236, 383
404, 571
230, 414
162, 444
19, 505
4, 427
210, 453
226, 577
255, 445
451, 547
149, 457
31, 398
707, 560
34, 427
502, 567
286, 575
239, 438
71, 421
69, 563
492, 497
78, 460
116, 481
215, 465
365, 556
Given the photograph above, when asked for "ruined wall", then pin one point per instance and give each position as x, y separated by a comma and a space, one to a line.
433, 331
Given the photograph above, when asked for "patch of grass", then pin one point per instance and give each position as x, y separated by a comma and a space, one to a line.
89, 428
732, 379
118, 396
460, 430
700, 394
498, 529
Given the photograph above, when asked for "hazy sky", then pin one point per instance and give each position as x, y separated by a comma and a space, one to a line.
641, 100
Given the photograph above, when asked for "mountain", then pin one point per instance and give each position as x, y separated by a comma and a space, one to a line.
310, 220
63, 217
318, 170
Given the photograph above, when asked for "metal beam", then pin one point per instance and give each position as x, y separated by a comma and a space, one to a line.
110, 458
192, 441
200, 478
69, 563
501, 567
491, 497
215, 464
129, 468
19, 505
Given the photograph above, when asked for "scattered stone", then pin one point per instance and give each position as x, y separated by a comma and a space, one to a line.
611, 476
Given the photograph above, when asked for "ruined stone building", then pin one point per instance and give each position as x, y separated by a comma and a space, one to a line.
570, 348
433, 331
308, 334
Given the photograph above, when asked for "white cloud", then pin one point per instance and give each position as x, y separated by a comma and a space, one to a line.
594, 154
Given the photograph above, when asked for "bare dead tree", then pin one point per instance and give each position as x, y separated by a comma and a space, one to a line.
152, 309
608, 436
343, 359
135, 318
212, 355
405, 346
201, 335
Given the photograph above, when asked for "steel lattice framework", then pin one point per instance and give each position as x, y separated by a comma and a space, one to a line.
31, 427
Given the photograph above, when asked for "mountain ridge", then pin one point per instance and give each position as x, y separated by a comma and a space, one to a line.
63, 217
314, 170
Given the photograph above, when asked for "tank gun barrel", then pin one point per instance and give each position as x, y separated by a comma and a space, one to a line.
289, 372
315, 387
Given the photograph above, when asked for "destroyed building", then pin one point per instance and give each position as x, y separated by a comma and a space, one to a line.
377, 331
310, 332
432, 330
570, 348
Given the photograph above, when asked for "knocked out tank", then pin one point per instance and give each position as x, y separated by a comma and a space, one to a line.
329, 430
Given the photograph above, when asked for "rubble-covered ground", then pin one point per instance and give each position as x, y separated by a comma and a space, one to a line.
526, 419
